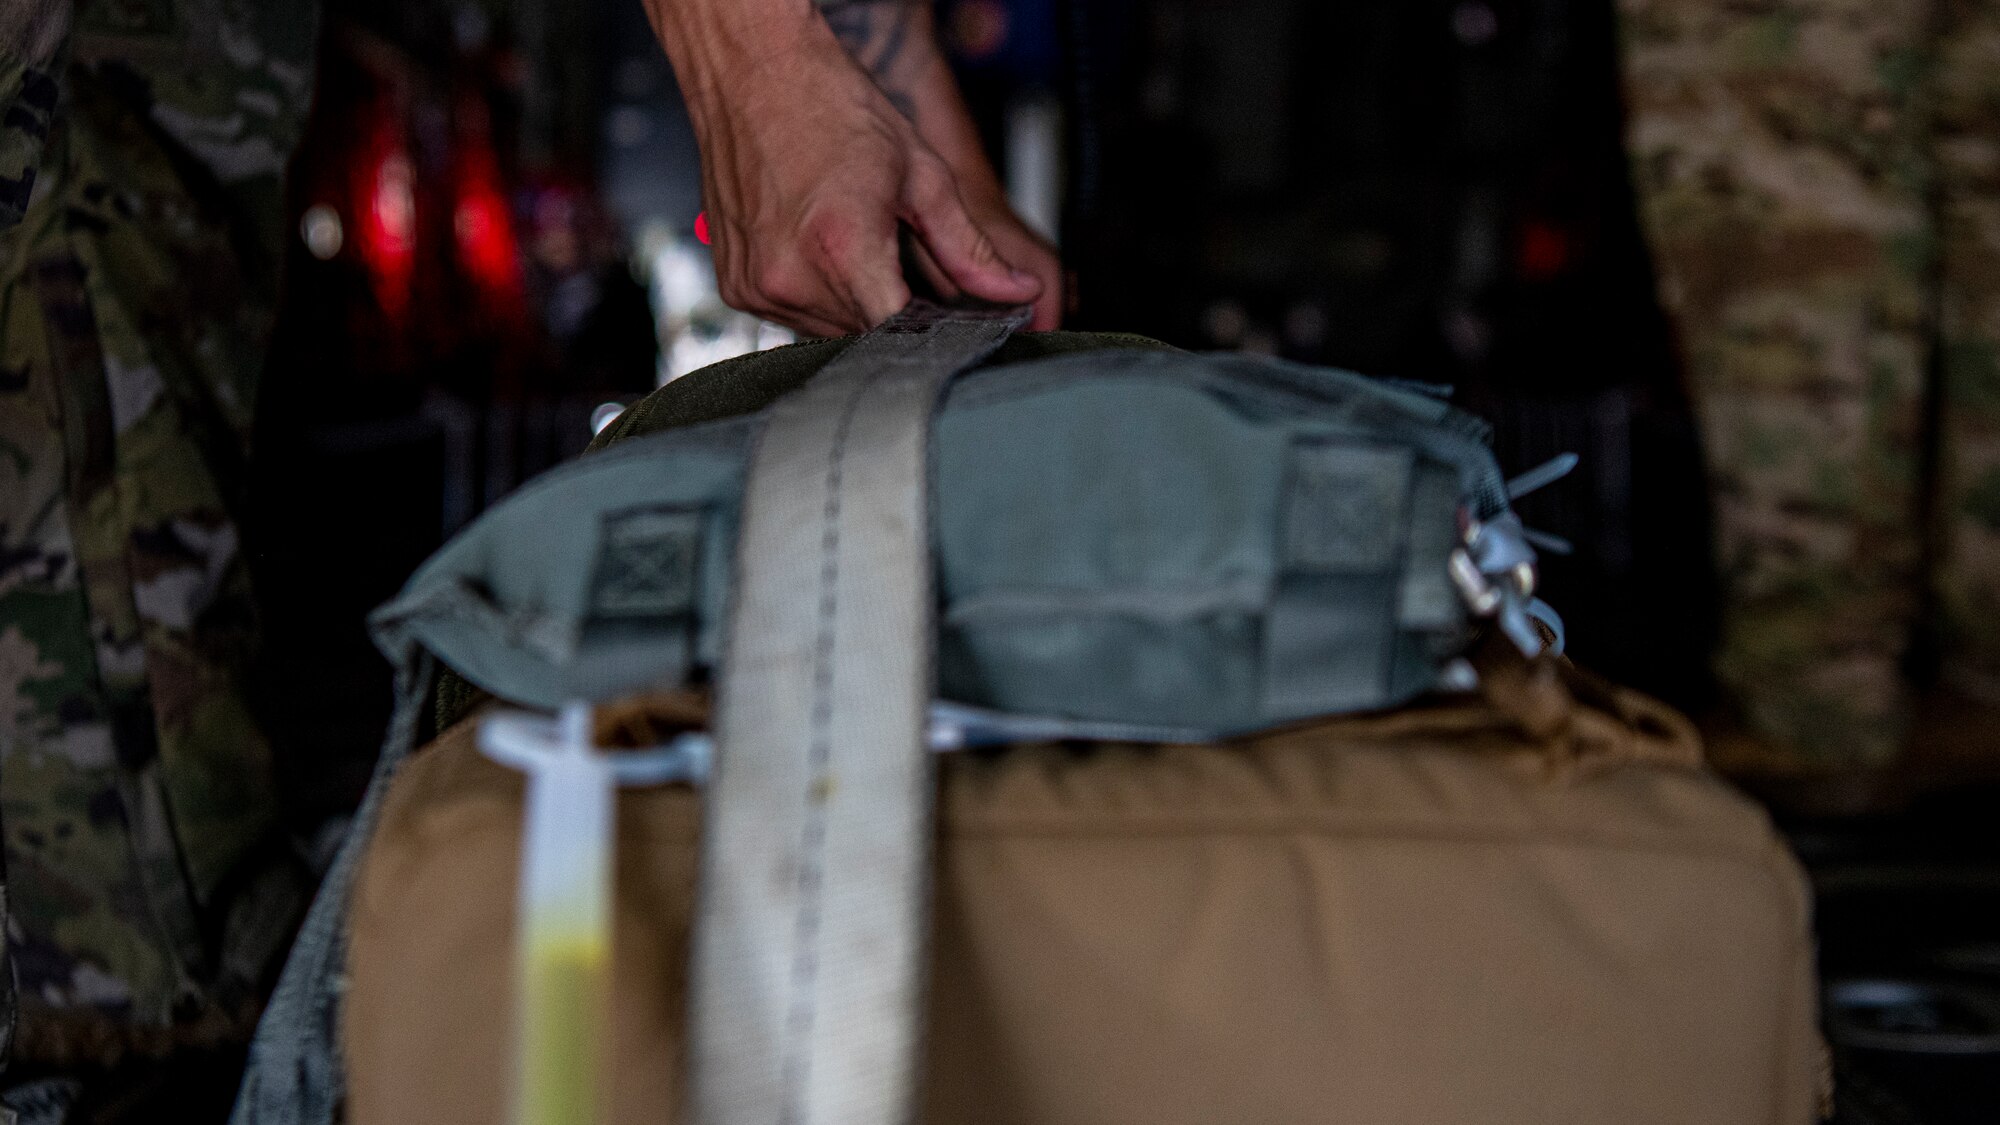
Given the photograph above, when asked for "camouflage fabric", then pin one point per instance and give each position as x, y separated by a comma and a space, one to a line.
1784, 160
33, 34
141, 158
1967, 149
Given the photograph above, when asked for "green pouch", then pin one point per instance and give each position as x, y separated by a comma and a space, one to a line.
1123, 534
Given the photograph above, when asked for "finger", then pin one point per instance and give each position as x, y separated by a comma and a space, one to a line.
806, 319
752, 287
806, 325
922, 271
956, 243
860, 271
1049, 306
876, 298
1038, 258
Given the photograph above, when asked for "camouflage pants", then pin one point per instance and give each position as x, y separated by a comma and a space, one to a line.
1967, 147
136, 793
1820, 183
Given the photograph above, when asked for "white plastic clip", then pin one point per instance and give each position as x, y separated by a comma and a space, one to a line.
563, 938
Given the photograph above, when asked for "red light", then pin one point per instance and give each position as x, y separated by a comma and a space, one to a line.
485, 238
482, 223
979, 29
1544, 251
388, 227
483, 226
701, 228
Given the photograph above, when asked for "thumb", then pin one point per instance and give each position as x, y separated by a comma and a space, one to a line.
956, 243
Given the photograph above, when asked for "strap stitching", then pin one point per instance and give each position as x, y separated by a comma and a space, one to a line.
877, 367
806, 924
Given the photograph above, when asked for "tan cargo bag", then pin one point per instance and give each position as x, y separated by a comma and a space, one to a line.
1431, 917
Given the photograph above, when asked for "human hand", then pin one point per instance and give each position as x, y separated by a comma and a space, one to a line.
815, 159
1017, 244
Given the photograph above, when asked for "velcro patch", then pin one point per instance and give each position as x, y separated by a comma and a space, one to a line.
1345, 508
647, 560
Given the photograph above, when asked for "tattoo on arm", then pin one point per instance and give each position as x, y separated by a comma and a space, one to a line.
876, 33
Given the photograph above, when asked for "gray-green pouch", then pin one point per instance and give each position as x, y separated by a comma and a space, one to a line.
1134, 535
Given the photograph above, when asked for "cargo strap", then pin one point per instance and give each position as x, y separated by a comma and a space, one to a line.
293, 1074
808, 944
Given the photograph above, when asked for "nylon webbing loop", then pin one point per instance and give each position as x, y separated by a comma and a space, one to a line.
805, 993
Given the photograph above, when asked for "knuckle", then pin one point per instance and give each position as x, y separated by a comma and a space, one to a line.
733, 292
832, 236
777, 280
931, 181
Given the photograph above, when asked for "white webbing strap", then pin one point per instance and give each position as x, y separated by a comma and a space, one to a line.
806, 990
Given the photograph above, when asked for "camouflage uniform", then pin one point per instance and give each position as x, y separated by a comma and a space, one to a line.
1968, 169
1793, 170
141, 153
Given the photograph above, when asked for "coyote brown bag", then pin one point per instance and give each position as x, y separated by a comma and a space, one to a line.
1275, 808
1426, 917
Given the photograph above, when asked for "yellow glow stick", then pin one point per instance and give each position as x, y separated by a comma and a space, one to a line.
563, 934
563, 939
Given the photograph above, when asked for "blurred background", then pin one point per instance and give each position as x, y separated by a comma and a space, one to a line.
497, 245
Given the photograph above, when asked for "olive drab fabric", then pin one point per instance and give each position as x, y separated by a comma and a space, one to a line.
1820, 183
142, 147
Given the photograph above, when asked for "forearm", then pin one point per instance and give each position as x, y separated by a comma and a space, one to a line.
715, 45
895, 41
709, 40
833, 141
721, 49
891, 39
